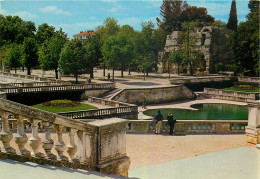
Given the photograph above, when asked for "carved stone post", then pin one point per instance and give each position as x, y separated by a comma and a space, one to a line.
47, 142
71, 147
59, 144
21, 138
5, 135
253, 128
35, 140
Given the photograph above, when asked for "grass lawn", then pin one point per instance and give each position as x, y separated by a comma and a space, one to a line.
245, 90
81, 106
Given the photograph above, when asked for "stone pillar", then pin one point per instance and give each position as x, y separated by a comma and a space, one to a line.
111, 146
253, 128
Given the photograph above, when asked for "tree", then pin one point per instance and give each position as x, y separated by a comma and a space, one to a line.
118, 49
30, 54
94, 54
232, 21
189, 46
245, 43
44, 32
50, 52
73, 58
176, 12
13, 56
109, 28
177, 58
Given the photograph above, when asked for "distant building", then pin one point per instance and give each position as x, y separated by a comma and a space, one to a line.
83, 36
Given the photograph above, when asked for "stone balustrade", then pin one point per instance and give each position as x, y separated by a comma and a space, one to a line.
190, 126
75, 87
126, 112
249, 79
231, 95
98, 145
30, 77
34, 84
108, 102
178, 81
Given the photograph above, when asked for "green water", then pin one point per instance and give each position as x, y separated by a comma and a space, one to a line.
205, 112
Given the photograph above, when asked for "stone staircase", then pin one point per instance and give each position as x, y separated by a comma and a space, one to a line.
202, 95
112, 93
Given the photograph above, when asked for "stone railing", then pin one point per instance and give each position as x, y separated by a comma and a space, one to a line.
190, 126
108, 102
126, 112
199, 80
98, 145
34, 84
249, 79
90, 86
231, 95
30, 77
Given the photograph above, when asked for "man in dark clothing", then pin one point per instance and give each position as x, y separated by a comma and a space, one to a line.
158, 119
171, 122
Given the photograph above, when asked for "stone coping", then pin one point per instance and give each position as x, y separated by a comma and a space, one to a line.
106, 122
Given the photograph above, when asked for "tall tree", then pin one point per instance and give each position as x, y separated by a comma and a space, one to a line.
30, 54
118, 49
94, 54
73, 59
13, 56
245, 43
232, 21
44, 32
176, 58
50, 52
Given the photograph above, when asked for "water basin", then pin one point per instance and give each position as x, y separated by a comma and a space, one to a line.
205, 112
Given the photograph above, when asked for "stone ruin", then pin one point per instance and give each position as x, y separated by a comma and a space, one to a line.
210, 40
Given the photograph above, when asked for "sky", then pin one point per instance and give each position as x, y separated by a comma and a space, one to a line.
74, 16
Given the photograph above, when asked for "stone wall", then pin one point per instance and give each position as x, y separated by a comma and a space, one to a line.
154, 95
211, 41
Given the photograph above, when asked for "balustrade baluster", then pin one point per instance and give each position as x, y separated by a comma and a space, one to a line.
35, 140
21, 138
6, 135
71, 147
47, 142
203, 127
59, 144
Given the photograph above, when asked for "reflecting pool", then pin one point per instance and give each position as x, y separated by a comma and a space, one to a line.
205, 112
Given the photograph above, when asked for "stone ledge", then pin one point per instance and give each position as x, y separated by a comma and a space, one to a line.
43, 161
116, 167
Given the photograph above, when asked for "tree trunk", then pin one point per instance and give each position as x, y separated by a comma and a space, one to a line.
76, 76
28, 71
113, 74
169, 70
122, 71
56, 74
144, 75
191, 70
178, 69
14, 69
129, 69
91, 73
104, 69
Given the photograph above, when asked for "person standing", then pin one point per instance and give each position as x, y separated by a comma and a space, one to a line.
158, 120
144, 103
171, 122
108, 77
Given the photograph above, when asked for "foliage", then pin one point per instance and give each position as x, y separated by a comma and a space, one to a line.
94, 54
232, 21
61, 103
118, 49
50, 52
189, 47
81, 106
13, 56
109, 28
13, 30
44, 32
176, 12
245, 43
73, 59
178, 58
30, 54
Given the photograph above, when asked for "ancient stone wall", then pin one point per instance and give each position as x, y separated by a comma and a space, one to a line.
155, 95
211, 41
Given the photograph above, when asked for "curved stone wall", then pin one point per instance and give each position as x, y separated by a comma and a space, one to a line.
155, 95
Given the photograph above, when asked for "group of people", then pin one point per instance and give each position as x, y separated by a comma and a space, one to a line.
158, 122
